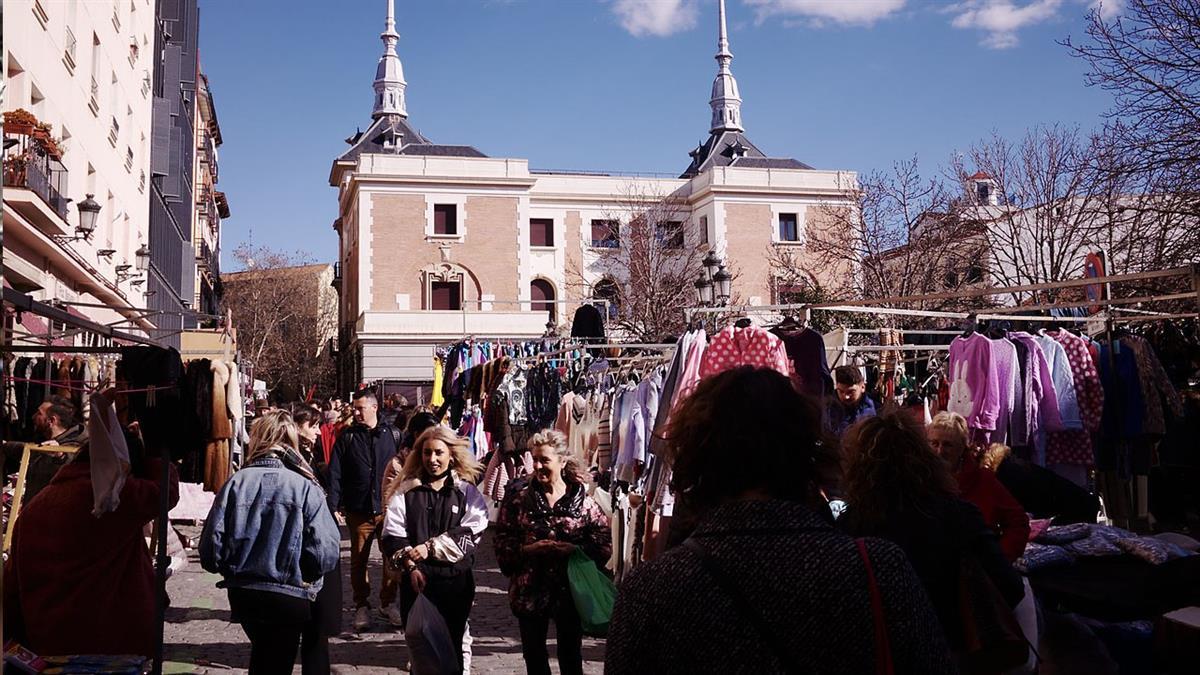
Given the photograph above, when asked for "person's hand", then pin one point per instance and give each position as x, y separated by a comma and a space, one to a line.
417, 579
340, 517
50, 442
418, 553
538, 547
563, 547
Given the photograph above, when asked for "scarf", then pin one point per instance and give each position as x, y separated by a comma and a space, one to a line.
295, 462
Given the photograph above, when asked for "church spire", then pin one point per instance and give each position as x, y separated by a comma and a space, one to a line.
726, 103
389, 76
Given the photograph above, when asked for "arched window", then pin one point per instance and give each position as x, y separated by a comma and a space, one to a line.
541, 292
606, 289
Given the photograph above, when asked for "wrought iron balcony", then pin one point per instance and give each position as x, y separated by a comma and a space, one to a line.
27, 165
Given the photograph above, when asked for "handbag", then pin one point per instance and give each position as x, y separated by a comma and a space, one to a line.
592, 592
993, 641
883, 646
431, 650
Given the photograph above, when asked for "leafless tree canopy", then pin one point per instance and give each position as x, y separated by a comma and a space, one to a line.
1149, 58
282, 329
902, 239
650, 263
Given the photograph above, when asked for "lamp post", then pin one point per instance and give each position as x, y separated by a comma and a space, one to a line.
723, 280
88, 210
142, 258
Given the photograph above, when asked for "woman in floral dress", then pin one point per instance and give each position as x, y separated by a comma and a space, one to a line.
540, 525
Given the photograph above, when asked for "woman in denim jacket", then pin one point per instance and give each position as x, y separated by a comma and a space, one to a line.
272, 538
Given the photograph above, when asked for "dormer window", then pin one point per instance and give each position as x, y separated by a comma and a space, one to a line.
984, 192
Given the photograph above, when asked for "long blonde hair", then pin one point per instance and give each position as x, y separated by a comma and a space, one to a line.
573, 468
462, 462
274, 429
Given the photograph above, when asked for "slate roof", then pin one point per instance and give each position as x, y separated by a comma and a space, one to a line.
389, 127
732, 148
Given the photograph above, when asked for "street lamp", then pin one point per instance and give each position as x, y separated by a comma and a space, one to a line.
711, 262
141, 258
722, 281
88, 210
704, 290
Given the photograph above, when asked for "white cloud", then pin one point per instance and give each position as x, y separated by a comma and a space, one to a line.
656, 17
1109, 8
861, 12
1001, 20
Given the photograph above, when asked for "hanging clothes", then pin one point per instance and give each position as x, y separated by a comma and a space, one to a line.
1157, 389
1004, 370
217, 464
974, 393
808, 366
1075, 446
749, 346
1064, 381
437, 398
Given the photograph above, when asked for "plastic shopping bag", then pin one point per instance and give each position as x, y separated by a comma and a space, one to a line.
593, 593
428, 639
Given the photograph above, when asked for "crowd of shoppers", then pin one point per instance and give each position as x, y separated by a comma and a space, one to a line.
766, 577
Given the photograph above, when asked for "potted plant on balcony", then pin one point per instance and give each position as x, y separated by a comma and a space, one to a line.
19, 121
50, 144
41, 132
14, 169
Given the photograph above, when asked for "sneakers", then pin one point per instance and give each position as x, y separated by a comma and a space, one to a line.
392, 614
362, 619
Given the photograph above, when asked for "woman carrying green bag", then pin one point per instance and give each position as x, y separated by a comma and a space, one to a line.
542, 524
593, 593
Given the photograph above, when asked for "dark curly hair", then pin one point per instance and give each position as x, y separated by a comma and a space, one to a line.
744, 430
889, 468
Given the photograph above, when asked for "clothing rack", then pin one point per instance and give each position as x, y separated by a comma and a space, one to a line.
24, 303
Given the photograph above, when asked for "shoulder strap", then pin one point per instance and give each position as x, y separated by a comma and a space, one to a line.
883, 649
743, 607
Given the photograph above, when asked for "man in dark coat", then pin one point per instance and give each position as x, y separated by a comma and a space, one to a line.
357, 464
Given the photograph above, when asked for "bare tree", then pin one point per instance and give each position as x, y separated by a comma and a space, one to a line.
1149, 58
902, 237
1041, 221
644, 262
280, 304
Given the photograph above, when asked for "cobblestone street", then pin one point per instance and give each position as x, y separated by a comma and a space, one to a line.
200, 639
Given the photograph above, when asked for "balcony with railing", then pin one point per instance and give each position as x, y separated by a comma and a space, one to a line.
28, 166
94, 101
69, 46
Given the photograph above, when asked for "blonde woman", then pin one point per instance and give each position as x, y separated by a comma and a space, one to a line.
433, 522
271, 536
540, 525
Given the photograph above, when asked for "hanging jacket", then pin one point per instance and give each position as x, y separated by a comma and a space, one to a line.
751, 346
974, 392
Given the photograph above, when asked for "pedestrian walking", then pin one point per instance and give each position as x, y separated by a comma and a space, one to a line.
765, 583
435, 519
541, 524
271, 537
357, 464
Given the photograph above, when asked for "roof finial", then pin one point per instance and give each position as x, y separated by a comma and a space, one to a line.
726, 103
389, 75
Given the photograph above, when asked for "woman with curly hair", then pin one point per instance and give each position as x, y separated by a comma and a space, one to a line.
765, 583
540, 526
434, 520
898, 489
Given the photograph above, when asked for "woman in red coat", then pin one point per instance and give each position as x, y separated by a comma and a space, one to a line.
948, 436
78, 584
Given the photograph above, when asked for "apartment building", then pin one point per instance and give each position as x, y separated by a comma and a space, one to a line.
76, 158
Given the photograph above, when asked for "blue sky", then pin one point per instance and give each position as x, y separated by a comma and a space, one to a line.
623, 85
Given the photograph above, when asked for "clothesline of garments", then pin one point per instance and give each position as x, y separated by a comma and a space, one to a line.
215, 435
31, 380
1065, 401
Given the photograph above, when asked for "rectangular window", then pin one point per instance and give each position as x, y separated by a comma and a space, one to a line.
445, 219
670, 234
788, 231
703, 229
445, 295
606, 234
541, 232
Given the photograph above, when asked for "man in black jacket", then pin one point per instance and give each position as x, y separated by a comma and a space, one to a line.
356, 467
